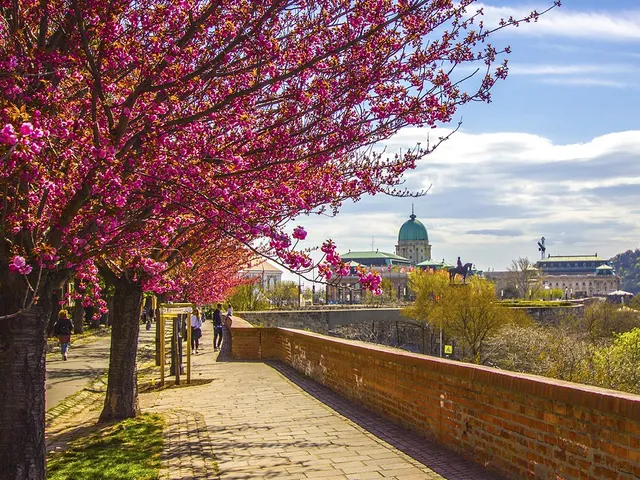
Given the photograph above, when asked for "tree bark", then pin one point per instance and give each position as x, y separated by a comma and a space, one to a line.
110, 306
53, 317
78, 317
22, 381
122, 388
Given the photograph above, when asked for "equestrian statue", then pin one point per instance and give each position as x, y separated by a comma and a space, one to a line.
460, 269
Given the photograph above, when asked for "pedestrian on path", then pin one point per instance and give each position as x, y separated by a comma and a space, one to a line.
196, 330
227, 320
63, 329
217, 327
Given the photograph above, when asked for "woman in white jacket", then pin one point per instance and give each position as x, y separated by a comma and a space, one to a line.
196, 330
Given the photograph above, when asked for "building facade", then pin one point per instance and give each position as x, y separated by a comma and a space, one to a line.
269, 275
579, 275
347, 288
413, 250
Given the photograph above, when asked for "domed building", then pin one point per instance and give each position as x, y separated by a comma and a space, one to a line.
413, 248
413, 241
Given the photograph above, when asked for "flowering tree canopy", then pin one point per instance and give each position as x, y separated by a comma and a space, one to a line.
250, 112
117, 116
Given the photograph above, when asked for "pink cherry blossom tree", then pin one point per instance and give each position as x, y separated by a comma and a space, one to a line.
115, 114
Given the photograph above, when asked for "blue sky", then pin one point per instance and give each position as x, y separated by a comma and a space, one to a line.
555, 154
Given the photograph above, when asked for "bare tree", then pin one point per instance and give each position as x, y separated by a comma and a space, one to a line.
524, 278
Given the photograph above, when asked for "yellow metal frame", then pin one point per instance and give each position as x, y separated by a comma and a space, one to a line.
171, 310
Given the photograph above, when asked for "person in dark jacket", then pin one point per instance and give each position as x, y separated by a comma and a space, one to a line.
217, 327
63, 329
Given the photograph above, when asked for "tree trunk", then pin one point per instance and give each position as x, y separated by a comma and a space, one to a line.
22, 382
56, 297
110, 306
78, 317
122, 388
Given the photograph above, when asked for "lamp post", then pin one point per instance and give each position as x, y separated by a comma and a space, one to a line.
441, 347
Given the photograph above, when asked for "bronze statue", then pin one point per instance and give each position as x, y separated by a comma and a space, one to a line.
460, 269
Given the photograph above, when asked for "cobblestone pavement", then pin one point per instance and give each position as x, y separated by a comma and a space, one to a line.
187, 452
266, 421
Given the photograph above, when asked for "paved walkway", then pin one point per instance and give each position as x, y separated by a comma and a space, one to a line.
266, 421
86, 363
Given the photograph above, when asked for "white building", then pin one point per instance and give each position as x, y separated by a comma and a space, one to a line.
269, 274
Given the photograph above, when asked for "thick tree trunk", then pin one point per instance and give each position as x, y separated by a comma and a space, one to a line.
122, 389
22, 382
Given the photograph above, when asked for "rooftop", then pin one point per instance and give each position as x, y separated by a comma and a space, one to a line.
370, 254
262, 266
412, 230
573, 258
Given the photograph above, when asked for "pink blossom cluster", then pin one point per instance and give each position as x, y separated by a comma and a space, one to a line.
371, 281
19, 265
8, 135
299, 233
88, 288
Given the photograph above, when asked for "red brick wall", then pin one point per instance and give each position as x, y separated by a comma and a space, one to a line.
521, 425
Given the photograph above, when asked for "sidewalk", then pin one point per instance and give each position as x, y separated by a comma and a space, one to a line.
86, 363
266, 421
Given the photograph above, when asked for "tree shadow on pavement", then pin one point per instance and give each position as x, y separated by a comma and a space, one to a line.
170, 384
445, 462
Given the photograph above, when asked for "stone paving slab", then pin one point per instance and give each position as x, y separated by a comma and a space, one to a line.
266, 421
187, 452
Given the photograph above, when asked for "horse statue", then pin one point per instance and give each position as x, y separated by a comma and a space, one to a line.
460, 270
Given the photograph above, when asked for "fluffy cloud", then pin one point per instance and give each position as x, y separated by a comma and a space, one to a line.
565, 22
493, 195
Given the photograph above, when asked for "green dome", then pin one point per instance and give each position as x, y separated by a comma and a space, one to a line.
413, 229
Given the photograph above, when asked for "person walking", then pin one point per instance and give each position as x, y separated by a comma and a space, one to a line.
217, 327
227, 319
63, 329
196, 330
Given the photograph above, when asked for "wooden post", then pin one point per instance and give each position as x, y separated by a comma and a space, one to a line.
160, 326
156, 317
188, 320
177, 361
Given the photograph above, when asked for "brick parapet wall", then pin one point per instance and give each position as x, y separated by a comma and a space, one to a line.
523, 426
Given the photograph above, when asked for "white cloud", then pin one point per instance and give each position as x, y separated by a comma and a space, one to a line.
580, 69
564, 22
588, 82
582, 197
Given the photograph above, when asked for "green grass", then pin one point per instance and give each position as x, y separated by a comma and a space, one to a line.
126, 450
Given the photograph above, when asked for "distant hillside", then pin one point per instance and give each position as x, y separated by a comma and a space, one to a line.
627, 265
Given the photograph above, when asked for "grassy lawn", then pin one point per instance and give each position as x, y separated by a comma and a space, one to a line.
126, 450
